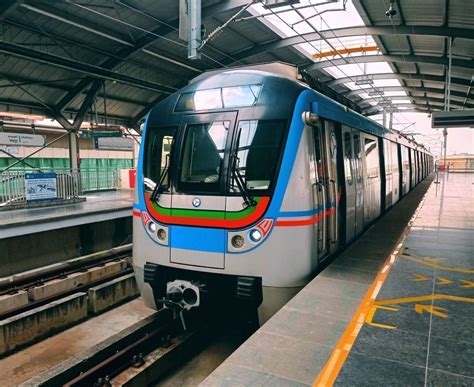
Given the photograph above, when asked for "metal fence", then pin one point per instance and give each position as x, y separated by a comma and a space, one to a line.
69, 183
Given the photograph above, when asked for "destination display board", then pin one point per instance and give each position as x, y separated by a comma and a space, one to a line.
40, 186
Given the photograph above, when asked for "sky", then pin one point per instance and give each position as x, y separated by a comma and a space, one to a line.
290, 23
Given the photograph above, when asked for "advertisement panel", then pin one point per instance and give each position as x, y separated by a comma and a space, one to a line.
40, 186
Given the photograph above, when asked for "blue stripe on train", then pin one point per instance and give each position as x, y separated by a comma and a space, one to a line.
298, 214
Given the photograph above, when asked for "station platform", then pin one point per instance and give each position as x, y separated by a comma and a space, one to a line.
395, 308
36, 237
99, 206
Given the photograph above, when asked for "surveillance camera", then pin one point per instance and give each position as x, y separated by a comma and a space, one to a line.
391, 12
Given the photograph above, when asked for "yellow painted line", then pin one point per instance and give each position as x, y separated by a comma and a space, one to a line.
371, 315
336, 360
333, 366
432, 262
436, 310
419, 277
468, 284
443, 281
428, 297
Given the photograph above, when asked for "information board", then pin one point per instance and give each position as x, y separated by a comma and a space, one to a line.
40, 186
21, 139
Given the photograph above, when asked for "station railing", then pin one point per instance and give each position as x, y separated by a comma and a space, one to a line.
70, 184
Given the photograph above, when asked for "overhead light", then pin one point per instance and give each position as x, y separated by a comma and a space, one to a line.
376, 91
391, 11
365, 80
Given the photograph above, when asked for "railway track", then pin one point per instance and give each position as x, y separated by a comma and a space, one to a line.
39, 277
145, 354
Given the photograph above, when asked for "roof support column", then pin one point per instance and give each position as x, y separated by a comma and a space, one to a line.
447, 105
74, 157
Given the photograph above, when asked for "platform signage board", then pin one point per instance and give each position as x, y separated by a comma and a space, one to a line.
21, 139
111, 143
40, 186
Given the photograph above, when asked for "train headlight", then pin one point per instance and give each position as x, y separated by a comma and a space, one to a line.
161, 234
255, 235
152, 227
238, 241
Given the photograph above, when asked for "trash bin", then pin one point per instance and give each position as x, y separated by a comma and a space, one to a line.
132, 173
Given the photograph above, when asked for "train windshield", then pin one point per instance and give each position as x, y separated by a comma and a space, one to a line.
257, 152
202, 157
215, 159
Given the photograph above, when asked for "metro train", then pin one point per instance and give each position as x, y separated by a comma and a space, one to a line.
248, 180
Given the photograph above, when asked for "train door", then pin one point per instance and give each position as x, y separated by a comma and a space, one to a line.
387, 151
332, 200
359, 182
349, 183
372, 188
321, 191
412, 168
396, 171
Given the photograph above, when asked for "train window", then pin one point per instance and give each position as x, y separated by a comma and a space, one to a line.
219, 98
239, 96
258, 151
202, 156
371, 158
357, 156
348, 157
158, 146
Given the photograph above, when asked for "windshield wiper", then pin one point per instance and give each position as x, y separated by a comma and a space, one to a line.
248, 199
155, 195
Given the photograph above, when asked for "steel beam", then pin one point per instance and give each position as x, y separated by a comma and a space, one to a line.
414, 77
365, 103
37, 108
8, 6
457, 94
353, 31
86, 104
148, 39
52, 84
81, 67
464, 63
73, 20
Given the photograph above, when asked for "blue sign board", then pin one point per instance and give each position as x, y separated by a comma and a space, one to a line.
40, 186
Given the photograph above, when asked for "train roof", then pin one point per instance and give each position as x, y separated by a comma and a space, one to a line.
326, 107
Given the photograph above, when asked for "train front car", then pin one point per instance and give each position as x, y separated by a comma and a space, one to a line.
214, 168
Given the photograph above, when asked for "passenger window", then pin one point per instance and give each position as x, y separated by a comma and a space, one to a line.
371, 158
348, 158
358, 157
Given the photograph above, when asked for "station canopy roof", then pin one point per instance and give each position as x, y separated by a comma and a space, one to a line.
112, 60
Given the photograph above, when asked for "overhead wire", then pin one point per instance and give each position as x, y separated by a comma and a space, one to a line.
311, 43
155, 34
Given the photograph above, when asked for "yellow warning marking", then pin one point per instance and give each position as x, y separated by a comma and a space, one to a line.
443, 281
419, 277
468, 284
429, 297
436, 310
370, 316
432, 262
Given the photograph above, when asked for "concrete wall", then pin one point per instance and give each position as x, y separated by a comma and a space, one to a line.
28, 252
